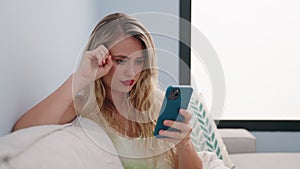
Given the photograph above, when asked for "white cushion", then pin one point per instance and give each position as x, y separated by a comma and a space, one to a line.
238, 140
56, 147
205, 136
266, 160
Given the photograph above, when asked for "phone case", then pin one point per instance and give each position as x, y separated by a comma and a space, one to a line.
176, 97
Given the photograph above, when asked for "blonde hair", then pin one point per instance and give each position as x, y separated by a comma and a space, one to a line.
145, 103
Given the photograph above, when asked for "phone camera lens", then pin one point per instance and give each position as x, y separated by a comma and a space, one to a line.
176, 92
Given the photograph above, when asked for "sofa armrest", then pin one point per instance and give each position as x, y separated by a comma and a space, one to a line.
238, 140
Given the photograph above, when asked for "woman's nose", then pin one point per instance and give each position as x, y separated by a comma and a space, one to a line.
130, 70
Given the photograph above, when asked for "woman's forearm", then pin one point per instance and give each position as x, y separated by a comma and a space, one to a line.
50, 110
57, 108
188, 157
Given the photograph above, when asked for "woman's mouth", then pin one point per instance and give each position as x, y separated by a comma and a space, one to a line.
127, 82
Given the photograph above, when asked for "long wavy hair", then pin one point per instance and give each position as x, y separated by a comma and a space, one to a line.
145, 103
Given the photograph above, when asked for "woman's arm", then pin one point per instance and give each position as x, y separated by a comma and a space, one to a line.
186, 153
56, 108
188, 157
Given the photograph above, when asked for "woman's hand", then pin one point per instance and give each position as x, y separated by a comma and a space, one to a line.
181, 138
94, 65
186, 153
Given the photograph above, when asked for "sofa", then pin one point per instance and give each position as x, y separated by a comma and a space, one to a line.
241, 146
83, 144
76, 145
68, 146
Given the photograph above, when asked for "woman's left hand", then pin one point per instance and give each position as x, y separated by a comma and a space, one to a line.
181, 138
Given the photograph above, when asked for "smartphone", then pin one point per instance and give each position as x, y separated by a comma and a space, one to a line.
176, 97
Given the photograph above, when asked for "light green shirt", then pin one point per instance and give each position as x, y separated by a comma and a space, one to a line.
138, 153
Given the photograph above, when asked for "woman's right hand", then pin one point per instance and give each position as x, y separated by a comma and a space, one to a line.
94, 65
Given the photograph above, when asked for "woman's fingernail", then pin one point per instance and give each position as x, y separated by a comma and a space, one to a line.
166, 122
161, 131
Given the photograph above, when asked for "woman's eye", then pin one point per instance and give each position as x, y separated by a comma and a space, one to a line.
139, 62
120, 62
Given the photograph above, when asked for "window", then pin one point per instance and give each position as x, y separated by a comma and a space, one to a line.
257, 43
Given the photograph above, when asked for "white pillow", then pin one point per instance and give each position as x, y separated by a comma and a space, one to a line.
205, 135
57, 147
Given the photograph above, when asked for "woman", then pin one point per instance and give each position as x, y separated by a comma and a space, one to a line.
115, 85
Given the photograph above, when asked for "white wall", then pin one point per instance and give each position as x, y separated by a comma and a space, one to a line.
41, 40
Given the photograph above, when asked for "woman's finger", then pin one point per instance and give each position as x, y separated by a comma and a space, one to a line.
177, 125
187, 116
101, 54
172, 134
108, 63
103, 70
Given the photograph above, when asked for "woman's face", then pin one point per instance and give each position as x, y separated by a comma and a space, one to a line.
128, 62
